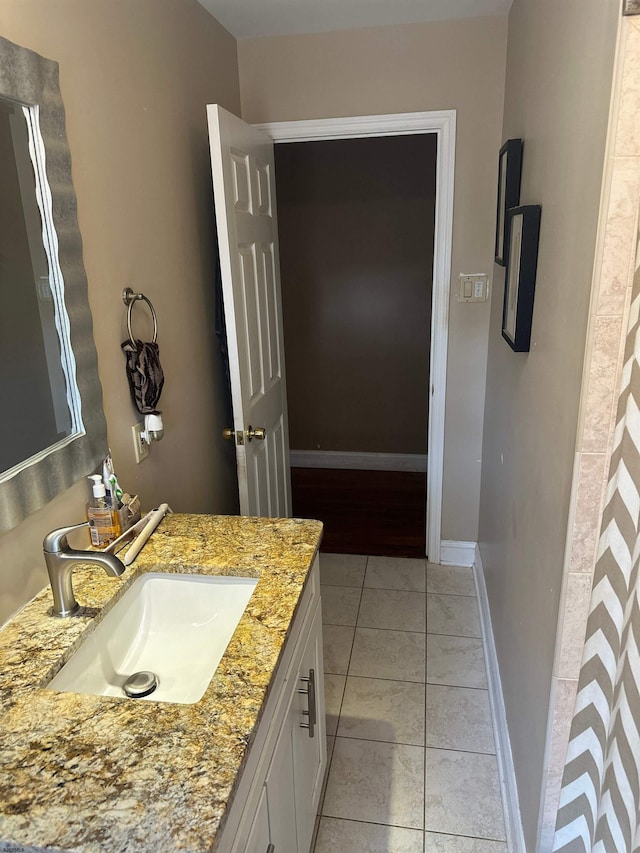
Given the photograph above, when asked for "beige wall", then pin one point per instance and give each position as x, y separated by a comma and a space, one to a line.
355, 229
446, 65
558, 103
135, 77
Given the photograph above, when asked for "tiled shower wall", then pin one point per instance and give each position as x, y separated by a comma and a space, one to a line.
609, 312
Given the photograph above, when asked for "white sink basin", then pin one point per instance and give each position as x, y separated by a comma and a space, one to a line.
175, 626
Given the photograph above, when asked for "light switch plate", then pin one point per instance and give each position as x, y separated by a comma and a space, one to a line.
473, 287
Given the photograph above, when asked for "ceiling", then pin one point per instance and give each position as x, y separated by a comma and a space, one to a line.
255, 18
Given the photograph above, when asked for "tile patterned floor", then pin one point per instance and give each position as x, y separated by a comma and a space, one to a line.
412, 763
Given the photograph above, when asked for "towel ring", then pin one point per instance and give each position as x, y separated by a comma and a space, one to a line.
130, 298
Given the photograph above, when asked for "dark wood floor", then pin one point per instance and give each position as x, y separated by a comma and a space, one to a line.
364, 512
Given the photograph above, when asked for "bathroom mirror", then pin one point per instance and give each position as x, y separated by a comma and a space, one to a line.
52, 426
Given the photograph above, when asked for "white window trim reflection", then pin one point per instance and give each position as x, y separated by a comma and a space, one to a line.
56, 279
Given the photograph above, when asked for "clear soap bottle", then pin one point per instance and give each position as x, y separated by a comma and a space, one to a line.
104, 522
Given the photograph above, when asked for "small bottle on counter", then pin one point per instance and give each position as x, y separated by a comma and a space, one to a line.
105, 524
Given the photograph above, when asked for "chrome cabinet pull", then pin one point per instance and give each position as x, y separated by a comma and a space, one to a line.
311, 712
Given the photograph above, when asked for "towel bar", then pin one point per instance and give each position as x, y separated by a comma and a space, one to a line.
130, 298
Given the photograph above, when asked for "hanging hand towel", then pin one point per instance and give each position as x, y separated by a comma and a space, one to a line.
145, 375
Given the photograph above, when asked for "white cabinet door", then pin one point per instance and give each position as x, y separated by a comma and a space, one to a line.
258, 840
309, 735
244, 189
280, 793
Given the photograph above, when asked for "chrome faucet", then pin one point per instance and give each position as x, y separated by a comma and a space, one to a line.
61, 558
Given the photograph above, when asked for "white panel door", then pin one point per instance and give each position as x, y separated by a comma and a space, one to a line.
244, 191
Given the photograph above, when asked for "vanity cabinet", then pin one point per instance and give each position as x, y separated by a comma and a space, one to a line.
276, 802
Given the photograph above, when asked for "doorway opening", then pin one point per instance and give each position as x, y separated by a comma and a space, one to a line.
356, 222
442, 125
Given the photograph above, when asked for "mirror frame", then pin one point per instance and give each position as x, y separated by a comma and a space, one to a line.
30, 79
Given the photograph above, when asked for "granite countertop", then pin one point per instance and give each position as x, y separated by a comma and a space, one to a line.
94, 773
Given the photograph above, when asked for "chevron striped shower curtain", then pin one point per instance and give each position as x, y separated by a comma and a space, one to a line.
599, 807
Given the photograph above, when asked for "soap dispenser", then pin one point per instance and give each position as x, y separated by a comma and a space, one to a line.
103, 519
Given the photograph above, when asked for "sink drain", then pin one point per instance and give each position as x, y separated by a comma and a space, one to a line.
140, 684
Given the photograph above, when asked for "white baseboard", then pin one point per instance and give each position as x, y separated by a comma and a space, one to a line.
457, 553
513, 821
360, 461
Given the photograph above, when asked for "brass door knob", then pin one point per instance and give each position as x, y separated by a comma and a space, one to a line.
258, 433
229, 434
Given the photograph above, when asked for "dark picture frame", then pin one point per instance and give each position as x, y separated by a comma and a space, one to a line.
520, 279
509, 175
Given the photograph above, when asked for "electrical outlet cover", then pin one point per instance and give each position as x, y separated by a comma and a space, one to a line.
141, 448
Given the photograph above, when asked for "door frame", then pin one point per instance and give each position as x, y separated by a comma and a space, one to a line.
443, 124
